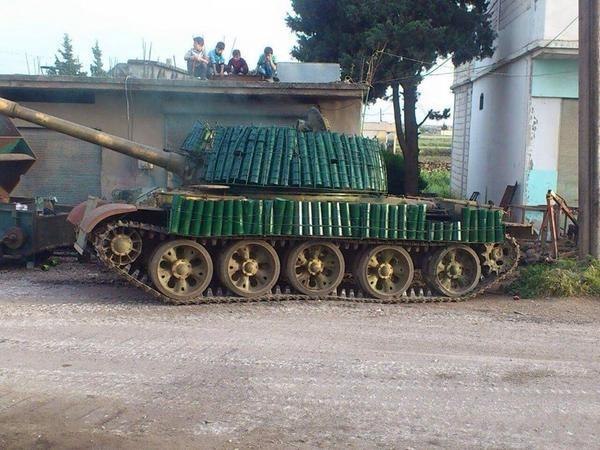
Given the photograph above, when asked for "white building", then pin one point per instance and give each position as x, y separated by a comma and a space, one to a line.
515, 114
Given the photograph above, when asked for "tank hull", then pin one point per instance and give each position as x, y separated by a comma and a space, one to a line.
382, 248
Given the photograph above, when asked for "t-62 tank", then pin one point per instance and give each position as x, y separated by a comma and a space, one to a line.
284, 212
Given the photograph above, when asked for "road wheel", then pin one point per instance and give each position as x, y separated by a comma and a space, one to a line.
315, 268
249, 268
454, 271
180, 269
385, 271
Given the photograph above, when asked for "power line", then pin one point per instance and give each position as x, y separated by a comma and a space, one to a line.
479, 68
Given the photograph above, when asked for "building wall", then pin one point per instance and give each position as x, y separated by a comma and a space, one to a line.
109, 113
498, 132
523, 25
162, 121
541, 172
557, 15
518, 23
522, 97
460, 139
555, 78
552, 153
384, 132
568, 152
79, 163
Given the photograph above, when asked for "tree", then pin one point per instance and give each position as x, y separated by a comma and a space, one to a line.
392, 45
96, 68
67, 63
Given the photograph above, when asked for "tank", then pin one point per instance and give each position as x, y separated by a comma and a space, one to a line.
285, 213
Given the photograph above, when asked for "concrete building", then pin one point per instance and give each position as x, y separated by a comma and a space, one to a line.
157, 112
384, 132
515, 114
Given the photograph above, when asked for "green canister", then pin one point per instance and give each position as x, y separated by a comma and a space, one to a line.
175, 215
448, 227
465, 224
207, 217
482, 225
187, 209
197, 218
402, 215
422, 213
473, 217
217, 219
411, 221
490, 235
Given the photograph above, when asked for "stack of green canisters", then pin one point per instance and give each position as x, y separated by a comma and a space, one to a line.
285, 157
281, 217
482, 225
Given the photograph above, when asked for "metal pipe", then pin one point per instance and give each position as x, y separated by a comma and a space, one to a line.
171, 161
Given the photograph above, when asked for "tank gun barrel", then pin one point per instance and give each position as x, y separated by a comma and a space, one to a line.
170, 161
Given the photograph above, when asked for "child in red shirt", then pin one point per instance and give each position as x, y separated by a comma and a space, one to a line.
237, 65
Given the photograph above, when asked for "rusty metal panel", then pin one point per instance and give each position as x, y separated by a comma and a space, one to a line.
39, 232
103, 212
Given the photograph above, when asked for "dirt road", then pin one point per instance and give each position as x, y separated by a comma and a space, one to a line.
93, 363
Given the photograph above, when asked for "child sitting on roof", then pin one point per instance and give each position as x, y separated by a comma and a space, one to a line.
217, 61
237, 65
197, 62
267, 65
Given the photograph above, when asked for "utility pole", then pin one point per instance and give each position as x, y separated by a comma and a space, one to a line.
589, 128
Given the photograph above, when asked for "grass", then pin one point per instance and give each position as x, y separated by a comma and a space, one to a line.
565, 278
438, 182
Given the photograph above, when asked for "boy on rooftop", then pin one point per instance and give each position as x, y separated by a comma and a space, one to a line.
237, 65
267, 65
197, 62
217, 61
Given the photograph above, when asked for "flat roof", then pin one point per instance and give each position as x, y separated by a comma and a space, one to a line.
191, 86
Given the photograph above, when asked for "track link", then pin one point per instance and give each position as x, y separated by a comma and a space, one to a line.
138, 278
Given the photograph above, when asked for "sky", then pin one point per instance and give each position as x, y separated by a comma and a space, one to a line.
32, 32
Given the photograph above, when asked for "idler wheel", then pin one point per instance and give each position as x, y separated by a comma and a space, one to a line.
121, 245
454, 271
181, 269
385, 271
249, 268
315, 269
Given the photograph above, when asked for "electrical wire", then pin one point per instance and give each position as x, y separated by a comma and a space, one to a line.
479, 68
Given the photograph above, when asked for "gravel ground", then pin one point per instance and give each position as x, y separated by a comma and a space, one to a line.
94, 363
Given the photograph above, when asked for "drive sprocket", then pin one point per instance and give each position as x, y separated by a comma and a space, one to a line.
499, 258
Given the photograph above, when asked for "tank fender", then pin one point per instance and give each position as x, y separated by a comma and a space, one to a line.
76, 214
97, 215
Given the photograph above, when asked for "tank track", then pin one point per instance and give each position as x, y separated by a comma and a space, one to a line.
138, 278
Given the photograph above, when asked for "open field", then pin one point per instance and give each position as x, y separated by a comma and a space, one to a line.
88, 362
431, 145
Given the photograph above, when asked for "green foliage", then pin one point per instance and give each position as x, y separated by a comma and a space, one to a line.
437, 182
565, 278
406, 36
97, 67
67, 63
393, 44
394, 164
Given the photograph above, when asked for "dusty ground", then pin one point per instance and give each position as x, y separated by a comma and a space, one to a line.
94, 363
